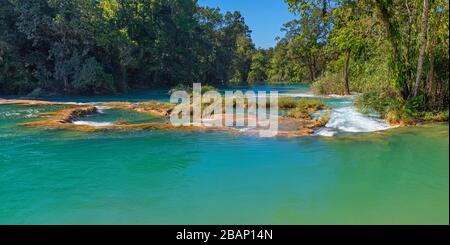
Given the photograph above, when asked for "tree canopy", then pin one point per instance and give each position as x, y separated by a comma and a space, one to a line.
105, 46
388, 50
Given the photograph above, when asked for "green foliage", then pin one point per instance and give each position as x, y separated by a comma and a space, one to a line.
260, 66
282, 69
298, 57
311, 105
368, 74
381, 101
398, 111
52, 45
300, 108
287, 102
323, 119
298, 113
391, 106
375, 46
12, 76
329, 83
93, 79
417, 103
440, 116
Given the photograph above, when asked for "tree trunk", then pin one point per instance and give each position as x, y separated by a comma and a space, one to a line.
423, 40
346, 71
314, 66
430, 74
311, 72
310, 65
408, 43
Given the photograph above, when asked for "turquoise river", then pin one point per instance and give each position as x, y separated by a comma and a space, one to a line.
345, 174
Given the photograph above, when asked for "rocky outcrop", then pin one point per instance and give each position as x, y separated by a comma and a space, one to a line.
32, 102
63, 119
156, 108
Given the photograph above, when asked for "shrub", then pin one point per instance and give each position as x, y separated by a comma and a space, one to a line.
323, 119
398, 115
303, 108
441, 116
312, 105
396, 110
298, 113
93, 79
329, 83
287, 103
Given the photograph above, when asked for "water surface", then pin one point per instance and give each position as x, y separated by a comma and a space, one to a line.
397, 176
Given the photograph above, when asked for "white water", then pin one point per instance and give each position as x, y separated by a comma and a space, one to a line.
348, 119
327, 132
28, 113
101, 109
298, 95
311, 95
94, 124
344, 117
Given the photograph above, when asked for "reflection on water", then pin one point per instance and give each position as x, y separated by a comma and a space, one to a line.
398, 176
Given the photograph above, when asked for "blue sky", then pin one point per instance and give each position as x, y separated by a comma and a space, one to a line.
264, 17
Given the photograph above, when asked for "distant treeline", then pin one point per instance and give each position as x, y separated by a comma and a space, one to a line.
107, 46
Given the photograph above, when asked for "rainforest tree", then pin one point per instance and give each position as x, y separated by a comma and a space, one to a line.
107, 46
367, 36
